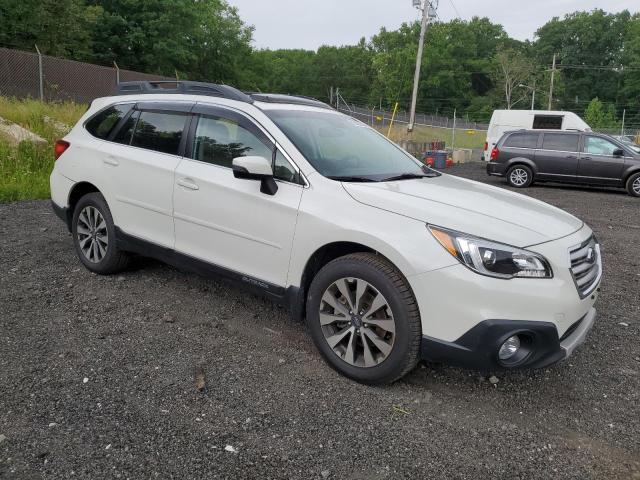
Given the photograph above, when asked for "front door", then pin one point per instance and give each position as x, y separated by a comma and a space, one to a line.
598, 164
227, 221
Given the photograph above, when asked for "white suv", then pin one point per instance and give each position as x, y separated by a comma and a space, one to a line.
390, 262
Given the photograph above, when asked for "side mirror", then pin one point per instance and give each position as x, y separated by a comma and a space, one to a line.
618, 152
256, 168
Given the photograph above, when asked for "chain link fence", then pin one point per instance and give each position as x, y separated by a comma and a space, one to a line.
27, 74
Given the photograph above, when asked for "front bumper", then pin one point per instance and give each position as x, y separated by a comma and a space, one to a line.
478, 348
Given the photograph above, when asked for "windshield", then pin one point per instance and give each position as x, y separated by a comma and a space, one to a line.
342, 148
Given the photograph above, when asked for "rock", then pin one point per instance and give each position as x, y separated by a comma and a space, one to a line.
281, 361
325, 473
230, 449
85, 380
200, 379
107, 447
52, 424
2, 438
493, 379
624, 324
121, 278
14, 134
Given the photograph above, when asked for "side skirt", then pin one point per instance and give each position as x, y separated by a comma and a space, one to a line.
288, 297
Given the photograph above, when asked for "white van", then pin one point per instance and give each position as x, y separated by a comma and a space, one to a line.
506, 120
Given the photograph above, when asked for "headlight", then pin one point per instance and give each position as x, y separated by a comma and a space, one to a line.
490, 258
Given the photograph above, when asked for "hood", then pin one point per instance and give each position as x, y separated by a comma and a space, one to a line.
470, 207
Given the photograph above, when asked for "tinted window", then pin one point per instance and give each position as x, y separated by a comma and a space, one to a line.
159, 131
547, 122
283, 170
522, 140
559, 141
104, 122
220, 140
126, 131
599, 146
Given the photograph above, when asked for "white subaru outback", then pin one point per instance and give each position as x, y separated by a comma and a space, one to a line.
390, 262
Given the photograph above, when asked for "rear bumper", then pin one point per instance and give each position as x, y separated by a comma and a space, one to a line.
495, 169
62, 213
478, 348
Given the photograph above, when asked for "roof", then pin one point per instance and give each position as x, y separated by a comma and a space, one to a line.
168, 87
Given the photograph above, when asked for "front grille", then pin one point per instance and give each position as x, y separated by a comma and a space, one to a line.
586, 266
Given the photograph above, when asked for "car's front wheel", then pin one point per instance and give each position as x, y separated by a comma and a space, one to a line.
364, 319
94, 236
520, 176
633, 185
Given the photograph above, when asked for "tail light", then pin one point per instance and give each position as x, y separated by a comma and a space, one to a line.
60, 147
486, 146
494, 154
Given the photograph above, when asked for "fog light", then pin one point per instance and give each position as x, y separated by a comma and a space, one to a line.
509, 348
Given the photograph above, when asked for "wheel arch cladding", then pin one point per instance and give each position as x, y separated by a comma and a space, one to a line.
78, 191
514, 162
316, 261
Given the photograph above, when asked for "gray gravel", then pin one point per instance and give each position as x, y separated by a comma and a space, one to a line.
156, 373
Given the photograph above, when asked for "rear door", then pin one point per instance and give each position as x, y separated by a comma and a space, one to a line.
557, 157
140, 165
598, 164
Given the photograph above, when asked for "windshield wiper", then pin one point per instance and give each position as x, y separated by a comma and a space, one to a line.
351, 178
408, 176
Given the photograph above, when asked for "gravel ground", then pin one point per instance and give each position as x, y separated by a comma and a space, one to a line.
98, 377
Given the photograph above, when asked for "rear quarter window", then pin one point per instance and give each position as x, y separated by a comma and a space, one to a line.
103, 123
522, 140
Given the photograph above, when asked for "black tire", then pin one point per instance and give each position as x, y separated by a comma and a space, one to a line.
387, 280
633, 185
113, 260
520, 176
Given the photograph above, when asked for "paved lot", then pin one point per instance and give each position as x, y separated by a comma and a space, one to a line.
97, 377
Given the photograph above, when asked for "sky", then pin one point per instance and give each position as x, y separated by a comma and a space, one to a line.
309, 24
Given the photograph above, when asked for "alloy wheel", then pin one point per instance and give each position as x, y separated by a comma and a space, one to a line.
519, 177
357, 322
636, 186
92, 234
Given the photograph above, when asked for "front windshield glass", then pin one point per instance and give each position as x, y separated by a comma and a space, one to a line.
343, 148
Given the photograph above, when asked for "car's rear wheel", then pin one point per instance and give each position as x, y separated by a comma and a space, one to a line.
364, 319
519, 176
633, 185
94, 236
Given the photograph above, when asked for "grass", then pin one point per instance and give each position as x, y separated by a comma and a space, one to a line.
464, 138
25, 169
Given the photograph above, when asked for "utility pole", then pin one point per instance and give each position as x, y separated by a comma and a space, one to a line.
553, 74
426, 10
533, 95
624, 114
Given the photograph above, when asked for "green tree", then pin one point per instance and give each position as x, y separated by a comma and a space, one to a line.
597, 116
59, 28
204, 40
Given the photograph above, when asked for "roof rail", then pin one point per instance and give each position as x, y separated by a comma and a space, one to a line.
291, 99
182, 87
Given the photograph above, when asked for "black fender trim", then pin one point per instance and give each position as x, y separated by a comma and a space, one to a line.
478, 348
62, 213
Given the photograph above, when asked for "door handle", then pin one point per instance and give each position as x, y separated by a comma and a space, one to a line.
586, 158
572, 157
109, 160
188, 184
